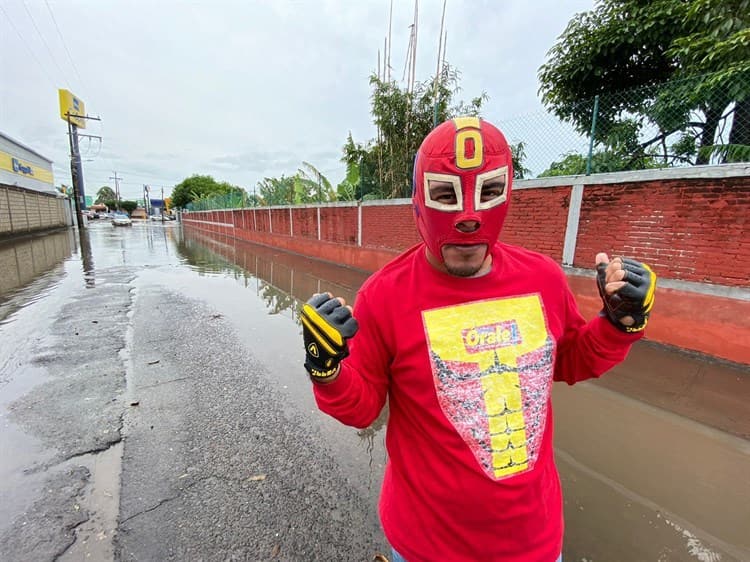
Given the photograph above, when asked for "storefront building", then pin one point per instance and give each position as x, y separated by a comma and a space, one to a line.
29, 201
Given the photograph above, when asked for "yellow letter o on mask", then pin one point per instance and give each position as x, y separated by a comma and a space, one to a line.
462, 138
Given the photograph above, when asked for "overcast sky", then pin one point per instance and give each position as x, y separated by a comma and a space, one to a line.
245, 89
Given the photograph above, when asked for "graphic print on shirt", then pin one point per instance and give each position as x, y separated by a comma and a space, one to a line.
492, 365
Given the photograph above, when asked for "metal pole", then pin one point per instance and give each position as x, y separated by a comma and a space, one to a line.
358, 196
437, 70
77, 187
593, 132
117, 188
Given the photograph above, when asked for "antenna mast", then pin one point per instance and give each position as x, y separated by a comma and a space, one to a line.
439, 65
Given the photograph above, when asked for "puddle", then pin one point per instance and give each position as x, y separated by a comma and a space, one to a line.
18, 489
101, 498
625, 463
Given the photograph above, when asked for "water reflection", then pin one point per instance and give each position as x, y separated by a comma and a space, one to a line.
283, 280
87, 258
29, 268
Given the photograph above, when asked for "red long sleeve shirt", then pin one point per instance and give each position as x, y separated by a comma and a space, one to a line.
467, 365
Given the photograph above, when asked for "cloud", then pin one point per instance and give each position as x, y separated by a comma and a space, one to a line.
244, 90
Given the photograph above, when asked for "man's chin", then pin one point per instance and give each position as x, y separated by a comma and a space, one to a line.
464, 270
464, 260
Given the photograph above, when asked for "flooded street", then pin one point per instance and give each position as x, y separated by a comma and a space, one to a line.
153, 405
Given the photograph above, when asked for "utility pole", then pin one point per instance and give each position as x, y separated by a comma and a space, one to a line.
117, 187
76, 169
76, 173
146, 200
163, 205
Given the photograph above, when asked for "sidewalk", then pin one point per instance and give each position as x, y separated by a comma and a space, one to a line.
713, 325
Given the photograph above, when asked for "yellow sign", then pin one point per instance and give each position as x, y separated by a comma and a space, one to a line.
71, 106
13, 164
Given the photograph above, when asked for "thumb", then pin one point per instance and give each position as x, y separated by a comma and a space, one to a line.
602, 258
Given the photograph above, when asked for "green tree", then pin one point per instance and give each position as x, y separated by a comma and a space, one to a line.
105, 194
128, 206
254, 200
717, 46
277, 191
362, 172
403, 119
572, 164
602, 161
518, 155
347, 189
639, 47
202, 187
308, 185
313, 185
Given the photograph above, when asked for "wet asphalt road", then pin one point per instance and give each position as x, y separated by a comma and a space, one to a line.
153, 406
218, 462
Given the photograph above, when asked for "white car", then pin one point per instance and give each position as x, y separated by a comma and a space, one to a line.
121, 219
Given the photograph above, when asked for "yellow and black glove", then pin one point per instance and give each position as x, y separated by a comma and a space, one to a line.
326, 325
634, 299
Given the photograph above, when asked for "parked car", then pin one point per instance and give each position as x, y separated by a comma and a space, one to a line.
121, 219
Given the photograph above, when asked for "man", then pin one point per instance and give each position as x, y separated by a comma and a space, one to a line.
464, 335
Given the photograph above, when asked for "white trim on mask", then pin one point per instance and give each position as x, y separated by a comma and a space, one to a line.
448, 178
480, 205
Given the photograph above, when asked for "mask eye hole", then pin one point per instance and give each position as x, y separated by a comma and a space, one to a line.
443, 192
491, 188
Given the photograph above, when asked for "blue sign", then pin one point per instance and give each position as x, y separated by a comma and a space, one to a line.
20, 168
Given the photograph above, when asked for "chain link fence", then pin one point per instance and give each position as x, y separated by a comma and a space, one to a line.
233, 200
693, 121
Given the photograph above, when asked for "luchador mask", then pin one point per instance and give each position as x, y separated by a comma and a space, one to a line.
463, 172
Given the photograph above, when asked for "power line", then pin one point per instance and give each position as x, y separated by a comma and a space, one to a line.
44, 42
44, 70
128, 172
62, 40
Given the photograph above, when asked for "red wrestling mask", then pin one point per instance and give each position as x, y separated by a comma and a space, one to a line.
462, 181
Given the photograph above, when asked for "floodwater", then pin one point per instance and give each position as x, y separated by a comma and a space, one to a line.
653, 457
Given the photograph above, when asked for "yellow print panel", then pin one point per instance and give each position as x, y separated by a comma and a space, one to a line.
492, 364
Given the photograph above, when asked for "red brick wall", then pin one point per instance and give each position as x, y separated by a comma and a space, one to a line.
305, 223
262, 220
389, 226
688, 229
537, 219
280, 221
338, 224
692, 229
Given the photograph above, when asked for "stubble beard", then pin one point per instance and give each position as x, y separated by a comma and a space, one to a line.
468, 267
463, 270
